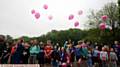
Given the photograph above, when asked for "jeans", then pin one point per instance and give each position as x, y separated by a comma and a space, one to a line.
33, 59
104, 64
113, 64
55, 63
89, 62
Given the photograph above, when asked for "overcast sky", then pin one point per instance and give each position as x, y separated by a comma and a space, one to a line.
16, 18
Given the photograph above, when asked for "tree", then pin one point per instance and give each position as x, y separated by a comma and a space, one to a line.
110, 9
26, 38
63, 35
119, 11
9, 38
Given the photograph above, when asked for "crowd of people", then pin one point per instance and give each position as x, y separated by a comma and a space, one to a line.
82, 54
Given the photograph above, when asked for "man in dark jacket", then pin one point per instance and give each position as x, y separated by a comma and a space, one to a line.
2, 46
17, 56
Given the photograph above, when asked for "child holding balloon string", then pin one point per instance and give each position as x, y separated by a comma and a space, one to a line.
64, 58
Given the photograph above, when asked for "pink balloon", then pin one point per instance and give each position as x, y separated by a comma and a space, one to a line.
33, 11
64, 65
45, 6
37, 15
50, 17
104, 17
102, 26
80, 12
71, 17
76, 24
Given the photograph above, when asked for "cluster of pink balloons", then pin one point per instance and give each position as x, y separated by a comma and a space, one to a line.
103, 25
71, 17
37, 14
50, 17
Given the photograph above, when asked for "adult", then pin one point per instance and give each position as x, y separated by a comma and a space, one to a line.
78, 52
40, 56
6, 54
116, 48
55, 57
26, 53
2, 46
18, 53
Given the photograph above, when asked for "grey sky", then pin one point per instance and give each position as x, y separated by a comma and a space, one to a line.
16, 18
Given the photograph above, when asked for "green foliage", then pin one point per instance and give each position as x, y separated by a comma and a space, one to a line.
9, 38
119, 11
93, 35
26, 38
63, 35
110, 9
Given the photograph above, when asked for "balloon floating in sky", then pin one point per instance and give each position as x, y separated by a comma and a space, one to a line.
104, 17
80, 12
33, 11
76, 24
37, 15
102, 26
45, 6
50, 17
71, 17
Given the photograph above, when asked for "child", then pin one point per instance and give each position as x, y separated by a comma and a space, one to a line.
17, 56
70, 51
83, 62
63, 57
55, 57
96, 56
113, 58
104, 57
78, 52
6, 54
89, 60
